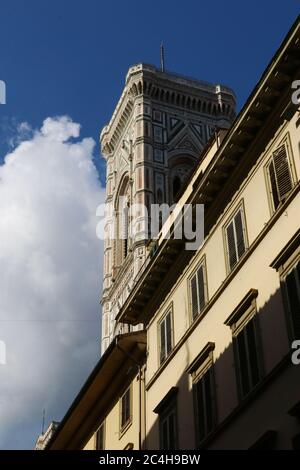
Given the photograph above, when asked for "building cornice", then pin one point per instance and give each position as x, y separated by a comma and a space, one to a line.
273, 85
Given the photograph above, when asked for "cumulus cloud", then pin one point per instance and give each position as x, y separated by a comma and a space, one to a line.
50, 264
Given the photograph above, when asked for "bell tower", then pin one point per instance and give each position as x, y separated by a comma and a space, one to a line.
151, 144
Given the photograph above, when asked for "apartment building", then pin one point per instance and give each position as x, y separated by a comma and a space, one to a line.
218, 322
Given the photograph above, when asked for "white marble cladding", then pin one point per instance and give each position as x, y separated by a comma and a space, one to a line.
151, 145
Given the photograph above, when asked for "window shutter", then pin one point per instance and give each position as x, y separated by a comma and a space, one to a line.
294, 301
200, 409
231, 245
283, 175
162, 342
201, 288
240, 242
168, 333
274, 191
252, 352
242, 363
194, 297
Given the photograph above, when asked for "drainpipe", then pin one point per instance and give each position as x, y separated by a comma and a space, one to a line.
140, 387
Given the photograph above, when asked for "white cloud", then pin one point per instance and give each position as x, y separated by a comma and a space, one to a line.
50, 265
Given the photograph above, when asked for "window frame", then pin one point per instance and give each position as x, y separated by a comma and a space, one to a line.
242, 315
239, 208
124, 426
198, 369
168, 311
202, 263
170, 409
291, 266
102, 425
284, 263
286, 142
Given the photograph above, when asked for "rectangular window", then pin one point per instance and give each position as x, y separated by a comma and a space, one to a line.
246, 348
198, 291
279, 176
168, 427
125, 409
165, 334
291, 285
204, 404
235, 234
100, 438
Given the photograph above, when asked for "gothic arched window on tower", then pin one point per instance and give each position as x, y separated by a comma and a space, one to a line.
176, 185
180, 168
122, 205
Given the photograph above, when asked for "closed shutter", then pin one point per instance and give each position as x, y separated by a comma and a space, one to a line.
252, 353
274, 191
194, 296
201, 288
204, 405
282, 170
232, 255
168, 333
100, 438
242, 363
292, 285
162, 342
239, 230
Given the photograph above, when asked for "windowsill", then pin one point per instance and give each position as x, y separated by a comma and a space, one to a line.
125, 428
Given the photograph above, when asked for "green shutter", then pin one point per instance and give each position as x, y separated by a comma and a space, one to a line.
282, 170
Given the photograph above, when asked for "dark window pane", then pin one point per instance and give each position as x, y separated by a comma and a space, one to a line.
200, 410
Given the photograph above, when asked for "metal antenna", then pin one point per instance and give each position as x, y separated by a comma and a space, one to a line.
162, 57
43, 421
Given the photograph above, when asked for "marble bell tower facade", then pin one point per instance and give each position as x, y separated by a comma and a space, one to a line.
151, 144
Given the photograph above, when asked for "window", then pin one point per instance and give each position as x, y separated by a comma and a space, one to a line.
279, 176
125, 409
165, 334
246, 342
235, 234
291, 287
167, 411
204, 404
100, 438
205, 407
198, 291
247, 359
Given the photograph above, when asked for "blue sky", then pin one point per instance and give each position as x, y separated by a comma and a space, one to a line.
70, 58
